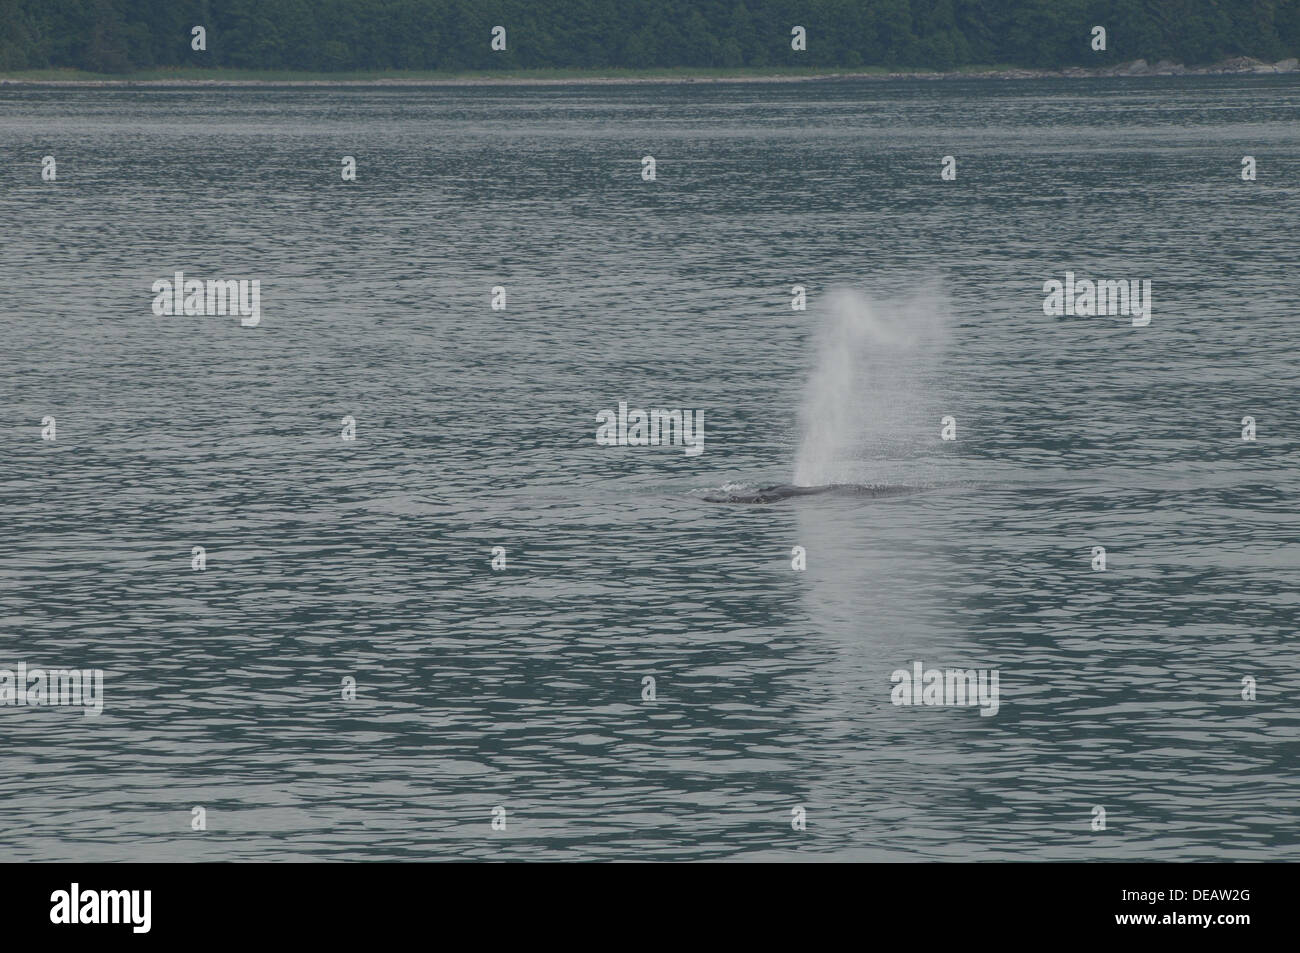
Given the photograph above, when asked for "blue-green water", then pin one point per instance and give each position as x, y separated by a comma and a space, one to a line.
475, 428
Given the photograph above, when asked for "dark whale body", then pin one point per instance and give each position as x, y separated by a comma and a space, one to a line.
771, 494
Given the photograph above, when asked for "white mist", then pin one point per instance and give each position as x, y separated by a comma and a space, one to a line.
867, 404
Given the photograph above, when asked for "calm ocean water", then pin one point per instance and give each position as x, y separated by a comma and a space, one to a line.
522, 688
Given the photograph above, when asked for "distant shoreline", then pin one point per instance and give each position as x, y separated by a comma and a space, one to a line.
242, 78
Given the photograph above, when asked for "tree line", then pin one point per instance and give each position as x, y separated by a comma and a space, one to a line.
115, 36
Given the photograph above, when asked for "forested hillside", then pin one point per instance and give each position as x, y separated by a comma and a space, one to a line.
327, 35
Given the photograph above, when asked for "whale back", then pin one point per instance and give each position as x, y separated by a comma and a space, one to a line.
773, 494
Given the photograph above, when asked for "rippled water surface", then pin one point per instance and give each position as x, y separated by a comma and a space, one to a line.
475, 428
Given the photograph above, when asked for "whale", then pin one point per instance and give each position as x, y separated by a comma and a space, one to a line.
785, 491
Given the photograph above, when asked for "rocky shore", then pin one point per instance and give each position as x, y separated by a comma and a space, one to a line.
1236, 65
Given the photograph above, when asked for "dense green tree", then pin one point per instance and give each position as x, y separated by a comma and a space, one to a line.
18, 40
119, 35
